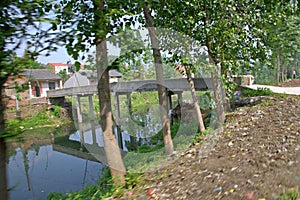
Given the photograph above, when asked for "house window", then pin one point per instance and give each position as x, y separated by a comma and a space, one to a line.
51, 85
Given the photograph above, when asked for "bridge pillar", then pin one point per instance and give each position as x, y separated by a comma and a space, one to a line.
79, 113
128, 95
92, 113
179, 97
170, 100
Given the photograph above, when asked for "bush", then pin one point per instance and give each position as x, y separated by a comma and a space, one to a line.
258, 92
56, 111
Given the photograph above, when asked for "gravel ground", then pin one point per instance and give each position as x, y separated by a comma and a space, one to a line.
255, 156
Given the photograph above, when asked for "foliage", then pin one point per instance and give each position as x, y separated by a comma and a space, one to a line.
205, 100
205, 21
56, 111
282, 37
17, 17
151, 154
258, 92
103, 189
82, 18
142, 102
291, 194
64, 76
26, 62
91, 192
264, 74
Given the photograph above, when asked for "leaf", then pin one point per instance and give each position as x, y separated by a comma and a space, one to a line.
77, 65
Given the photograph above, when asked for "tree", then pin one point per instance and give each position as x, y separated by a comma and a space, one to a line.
233, 33
16, 19
91, 22
162, 93
185, 54
188, 71
140, 12
283, 40
63, 75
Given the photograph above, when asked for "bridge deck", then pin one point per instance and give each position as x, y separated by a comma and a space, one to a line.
175, 85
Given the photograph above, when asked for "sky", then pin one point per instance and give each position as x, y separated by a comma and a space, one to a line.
60, 55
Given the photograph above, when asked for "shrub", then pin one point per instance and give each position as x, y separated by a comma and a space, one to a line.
258, 92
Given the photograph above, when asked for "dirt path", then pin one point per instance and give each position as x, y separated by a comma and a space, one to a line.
277, 89
257, 156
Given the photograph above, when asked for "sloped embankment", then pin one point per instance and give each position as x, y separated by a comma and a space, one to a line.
257, 156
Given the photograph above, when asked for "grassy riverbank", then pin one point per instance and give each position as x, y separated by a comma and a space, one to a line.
41, 118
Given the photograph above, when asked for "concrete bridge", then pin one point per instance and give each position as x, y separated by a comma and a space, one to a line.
175, 86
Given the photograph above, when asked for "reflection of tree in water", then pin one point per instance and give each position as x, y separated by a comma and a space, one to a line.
26, 168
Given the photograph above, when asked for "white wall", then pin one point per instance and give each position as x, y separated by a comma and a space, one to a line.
60, 68
45, 87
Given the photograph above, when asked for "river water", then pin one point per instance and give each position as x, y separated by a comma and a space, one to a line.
42, 163
64, 159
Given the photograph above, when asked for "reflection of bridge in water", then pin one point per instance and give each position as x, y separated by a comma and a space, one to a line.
174, 86
92, 150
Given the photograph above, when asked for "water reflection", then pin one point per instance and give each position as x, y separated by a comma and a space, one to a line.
63, 160
40, 165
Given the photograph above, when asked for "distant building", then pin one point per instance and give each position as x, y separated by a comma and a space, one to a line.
57, 67
76, 80
114, 75
37, 82
40, 81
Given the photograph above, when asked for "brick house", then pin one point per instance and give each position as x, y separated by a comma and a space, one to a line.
40, 81
36, 81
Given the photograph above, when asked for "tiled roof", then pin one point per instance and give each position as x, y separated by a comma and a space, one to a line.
89, 73
57, 64
40, 74
76, 80
114, 73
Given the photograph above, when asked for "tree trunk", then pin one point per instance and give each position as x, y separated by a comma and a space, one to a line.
162, 93
278, 69
216, 82
111, 147
282, 74
218, 94
3, 180
196, 104
217, 90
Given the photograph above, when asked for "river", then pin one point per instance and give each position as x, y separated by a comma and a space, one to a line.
41, 162
64, 159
